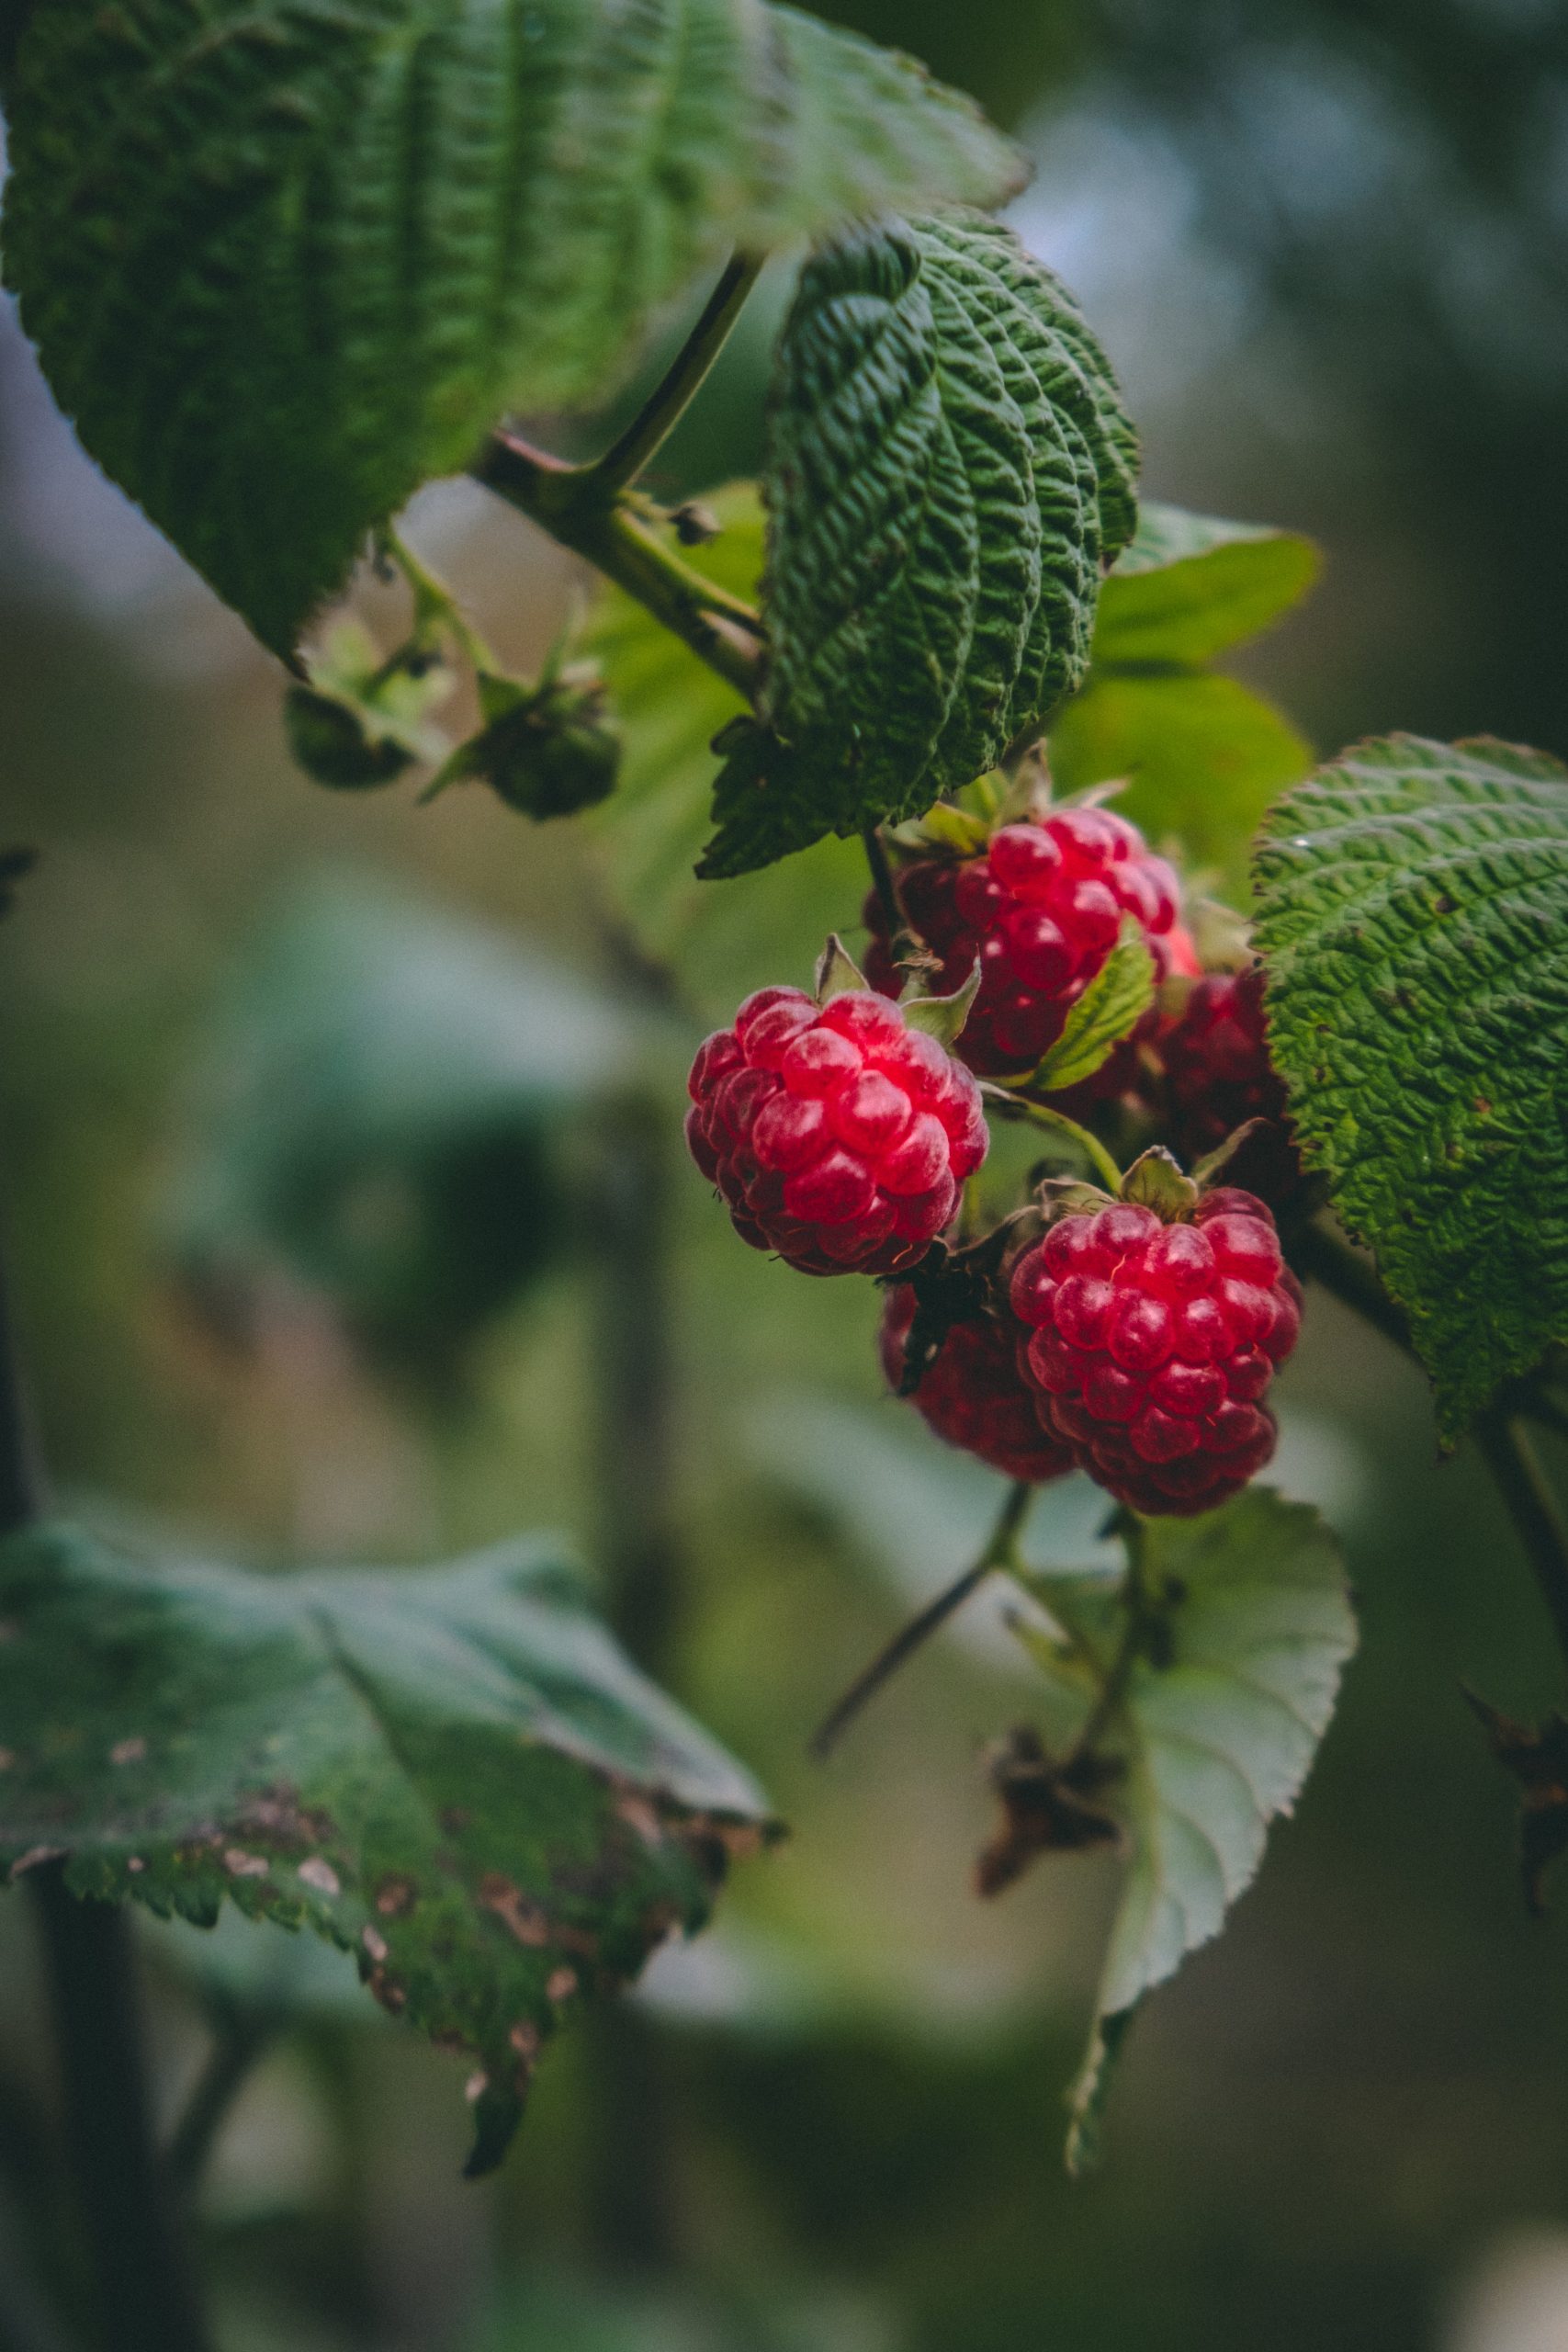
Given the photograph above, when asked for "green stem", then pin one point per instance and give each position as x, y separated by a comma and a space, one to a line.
1056, 1122
147, 2298
999, 1550
1113, 1688
1534, 1509
671, 398
568, 502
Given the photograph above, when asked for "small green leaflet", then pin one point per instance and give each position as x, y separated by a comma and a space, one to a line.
948, 463
1109, 1011
1413, 914
452, 1773
286, 259
652, 830
1204, 755
1248, 1629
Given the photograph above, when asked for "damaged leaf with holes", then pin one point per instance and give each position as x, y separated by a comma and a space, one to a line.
452, 1773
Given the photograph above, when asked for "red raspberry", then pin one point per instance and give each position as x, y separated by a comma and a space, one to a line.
1042, 910
838, 1136
1218, 1073
974, 1395
1155, 1344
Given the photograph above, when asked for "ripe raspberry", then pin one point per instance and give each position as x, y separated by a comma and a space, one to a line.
1042, 909
1217, 1070
1155, 1344
972, 1393
838, 1136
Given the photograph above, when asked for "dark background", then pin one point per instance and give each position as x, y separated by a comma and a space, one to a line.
1325, 246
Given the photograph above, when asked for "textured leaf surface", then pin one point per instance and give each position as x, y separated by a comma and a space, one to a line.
650, 832
1221, 1719
1203, 755
284, 261
1412, 912
948, 462
452, 1773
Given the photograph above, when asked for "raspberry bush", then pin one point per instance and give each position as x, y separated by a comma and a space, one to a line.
914, 638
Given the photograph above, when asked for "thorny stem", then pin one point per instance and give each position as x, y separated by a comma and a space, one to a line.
671, 398
147, 2298
998, 1553
590, 509
1534, 1509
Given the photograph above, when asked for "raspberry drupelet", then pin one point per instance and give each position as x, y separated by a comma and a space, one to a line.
1042, 909
972, 1393
1155, 1344
836, 1134
1217, 1070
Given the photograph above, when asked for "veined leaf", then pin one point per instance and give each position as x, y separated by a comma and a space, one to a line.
1109, 1011
452, 1773
285, 261
948, 462
1412, 915
1203, 756
1248, 1627
650, 832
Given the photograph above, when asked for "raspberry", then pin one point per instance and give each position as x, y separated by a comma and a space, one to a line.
1218, 1074
838, 1136
974, 1395
1042, 909
1155, 1344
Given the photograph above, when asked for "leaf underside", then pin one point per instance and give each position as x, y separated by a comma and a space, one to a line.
1412, 913
284, 262
1217, 1732
948, 463
451, 1772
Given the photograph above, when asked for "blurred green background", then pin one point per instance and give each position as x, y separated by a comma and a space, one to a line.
1327, 246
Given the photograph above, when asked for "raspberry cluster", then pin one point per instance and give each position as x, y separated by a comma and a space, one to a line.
1042, 909
836, 1134
974, 1395
1151, 1345
1217, 1070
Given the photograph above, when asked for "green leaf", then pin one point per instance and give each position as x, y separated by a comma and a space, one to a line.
948, 462
1205, 757
452, 1773
286, 259
1413, 914
1246, 1627
650, 833
372, 1111
1189, 586
364, 720
1109, 1009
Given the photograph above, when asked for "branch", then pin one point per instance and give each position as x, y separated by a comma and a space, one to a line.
586, 508
997, 1553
